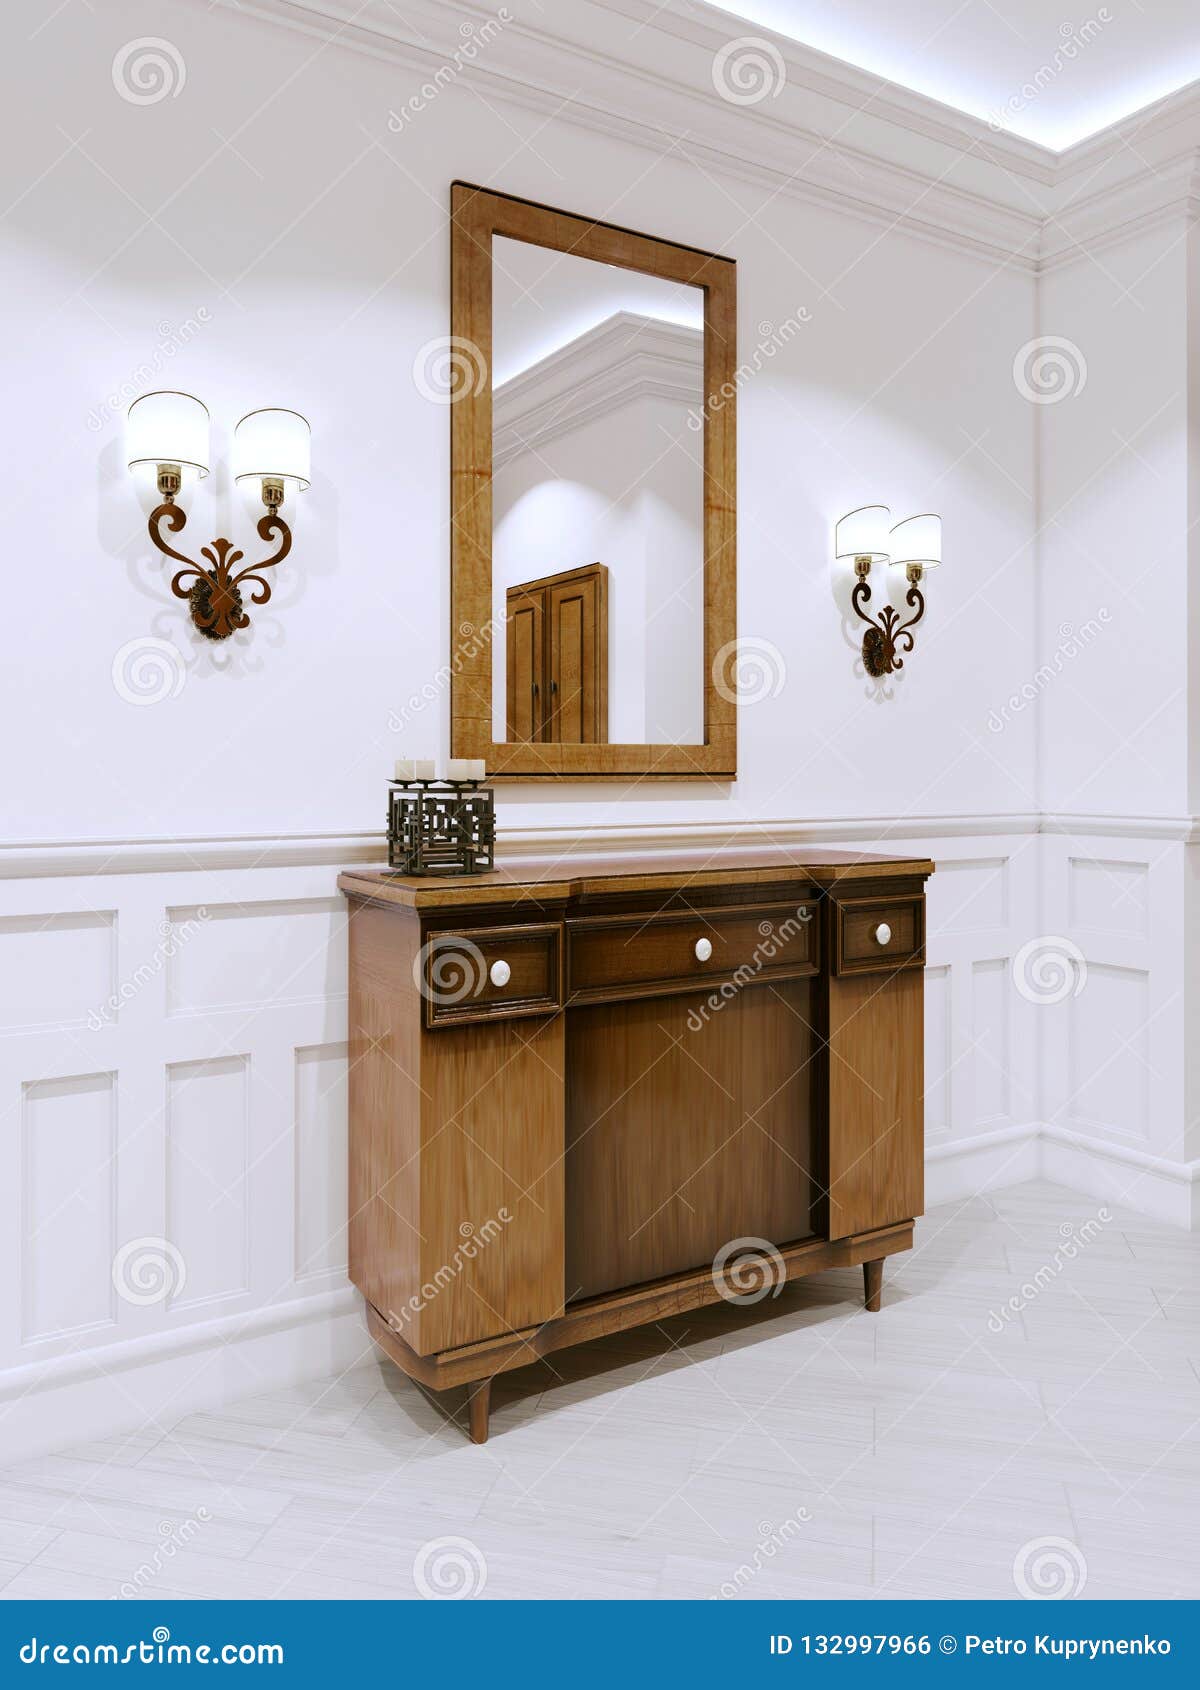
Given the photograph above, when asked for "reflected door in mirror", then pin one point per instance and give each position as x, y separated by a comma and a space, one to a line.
557, 658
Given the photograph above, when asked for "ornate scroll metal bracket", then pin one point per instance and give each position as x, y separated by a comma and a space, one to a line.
215, 593
886, 636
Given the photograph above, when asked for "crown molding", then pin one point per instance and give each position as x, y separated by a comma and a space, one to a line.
1092, 222
626, 357
827, 78
833, 135
954, 184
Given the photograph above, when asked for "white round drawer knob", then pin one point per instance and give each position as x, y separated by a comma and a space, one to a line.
883, 934
703, 949
500, 973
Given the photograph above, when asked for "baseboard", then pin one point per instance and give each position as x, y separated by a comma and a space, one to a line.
1150, 1185
987, 1161
1122, 1174
108, 1390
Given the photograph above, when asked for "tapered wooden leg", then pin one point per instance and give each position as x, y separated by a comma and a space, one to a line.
873, 1285
478, 1403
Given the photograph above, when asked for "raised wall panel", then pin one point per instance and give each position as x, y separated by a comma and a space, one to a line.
968, 895
208, 1158
1109, 1051
69, 1204
57, 970
1108, 896
938, 1058
991, 1054
321, 1159
225, 956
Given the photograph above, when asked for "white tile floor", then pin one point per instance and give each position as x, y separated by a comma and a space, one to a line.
802, 1448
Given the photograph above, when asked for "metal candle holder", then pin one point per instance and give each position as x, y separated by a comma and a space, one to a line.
441, 827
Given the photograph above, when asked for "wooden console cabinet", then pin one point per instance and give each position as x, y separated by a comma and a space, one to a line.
589, 1093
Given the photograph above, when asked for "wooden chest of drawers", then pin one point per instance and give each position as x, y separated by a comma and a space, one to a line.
586, 1094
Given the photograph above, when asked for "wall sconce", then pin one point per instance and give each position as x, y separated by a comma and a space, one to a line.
272, 447
916, 544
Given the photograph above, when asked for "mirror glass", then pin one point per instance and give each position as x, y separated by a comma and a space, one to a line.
597, 501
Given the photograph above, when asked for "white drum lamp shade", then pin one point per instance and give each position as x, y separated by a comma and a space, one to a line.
168, 428
273, 445
918, 539
865, 533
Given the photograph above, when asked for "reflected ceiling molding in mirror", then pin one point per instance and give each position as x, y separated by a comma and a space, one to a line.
593, 499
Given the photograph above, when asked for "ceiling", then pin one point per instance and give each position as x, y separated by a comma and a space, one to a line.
1052, 74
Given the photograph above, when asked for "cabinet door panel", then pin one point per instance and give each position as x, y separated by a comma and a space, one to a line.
687, 1129
491, 1205
876, 1104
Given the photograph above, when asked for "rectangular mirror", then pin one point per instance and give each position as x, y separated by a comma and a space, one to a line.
593, 501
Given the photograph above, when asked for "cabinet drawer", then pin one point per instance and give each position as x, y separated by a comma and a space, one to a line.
490, 973
879, 935
652, 955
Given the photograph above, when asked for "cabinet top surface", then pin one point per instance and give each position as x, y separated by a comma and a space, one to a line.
572, 874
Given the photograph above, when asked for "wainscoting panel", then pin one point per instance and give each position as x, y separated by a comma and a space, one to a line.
69, 1223
1108, 1052
939, 1046
208, 1164
980, 1119
234, 955
55, 968
1114, 1105
321, 1162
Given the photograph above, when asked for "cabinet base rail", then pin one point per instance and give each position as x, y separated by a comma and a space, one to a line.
476, 1365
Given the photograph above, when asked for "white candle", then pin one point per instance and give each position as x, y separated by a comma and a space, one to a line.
424, 768
405, 768
477, 768
458, 768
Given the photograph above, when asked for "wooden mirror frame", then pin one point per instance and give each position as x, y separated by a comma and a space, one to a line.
476, 215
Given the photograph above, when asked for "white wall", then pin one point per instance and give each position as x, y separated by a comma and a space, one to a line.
308, 251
